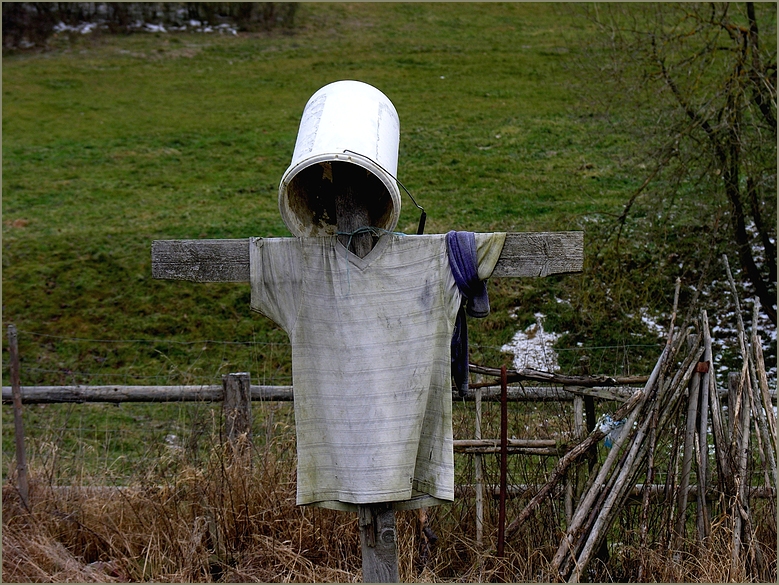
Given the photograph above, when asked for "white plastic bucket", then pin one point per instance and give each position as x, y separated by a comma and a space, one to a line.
345, 122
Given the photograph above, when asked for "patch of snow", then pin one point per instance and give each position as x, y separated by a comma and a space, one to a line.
193, 25
83, 27
534, 348
651, 324
172, 441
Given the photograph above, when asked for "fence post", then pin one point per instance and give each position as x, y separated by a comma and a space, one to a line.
478, 477
237, 409
21, 457
503, 460
572, 476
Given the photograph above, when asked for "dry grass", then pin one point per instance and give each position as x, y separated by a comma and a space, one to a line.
237, 521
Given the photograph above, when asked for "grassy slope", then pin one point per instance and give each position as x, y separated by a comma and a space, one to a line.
109, 144
112, 142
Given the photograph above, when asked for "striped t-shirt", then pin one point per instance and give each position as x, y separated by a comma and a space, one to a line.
370, 362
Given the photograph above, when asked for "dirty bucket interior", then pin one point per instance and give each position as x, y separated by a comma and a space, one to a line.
318, 194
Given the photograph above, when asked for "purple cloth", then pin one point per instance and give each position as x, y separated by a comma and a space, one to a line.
465, 269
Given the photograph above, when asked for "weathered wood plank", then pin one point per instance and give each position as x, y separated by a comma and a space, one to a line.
535, 254
201, 260
524, 254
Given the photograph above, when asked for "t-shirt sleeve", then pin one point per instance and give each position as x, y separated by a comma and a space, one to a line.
488, 249
276, 280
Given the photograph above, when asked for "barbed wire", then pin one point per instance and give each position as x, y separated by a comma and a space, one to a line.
287, 343
150, 340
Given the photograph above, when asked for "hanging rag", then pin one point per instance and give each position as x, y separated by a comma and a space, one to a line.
464, 264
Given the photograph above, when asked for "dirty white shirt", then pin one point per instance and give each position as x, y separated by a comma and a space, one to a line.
370, 362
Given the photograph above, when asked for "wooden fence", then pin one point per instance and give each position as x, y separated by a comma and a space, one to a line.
236, 393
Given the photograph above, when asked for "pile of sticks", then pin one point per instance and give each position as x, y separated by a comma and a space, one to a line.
676, 406
749, 404
646, 418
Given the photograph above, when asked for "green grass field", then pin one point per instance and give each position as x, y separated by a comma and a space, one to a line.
110, 142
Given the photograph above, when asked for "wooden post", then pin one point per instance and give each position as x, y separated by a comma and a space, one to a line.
704, 527
592, 462
689, 439
719, 429
349, 183
237, 409
21, 457
578, 432
503, 460
739, 436
478, 478
377, 521
378, 543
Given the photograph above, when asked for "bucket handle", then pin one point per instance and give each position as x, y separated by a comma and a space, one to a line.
423, 217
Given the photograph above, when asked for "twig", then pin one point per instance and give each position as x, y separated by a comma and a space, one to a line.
650, 478
763, 437
689, 438
719, 430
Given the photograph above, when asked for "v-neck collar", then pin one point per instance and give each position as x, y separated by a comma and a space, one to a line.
370, 257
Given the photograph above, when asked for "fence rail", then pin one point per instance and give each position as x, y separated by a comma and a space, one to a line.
261, 393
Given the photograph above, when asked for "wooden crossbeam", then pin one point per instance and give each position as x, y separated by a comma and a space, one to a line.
525, 254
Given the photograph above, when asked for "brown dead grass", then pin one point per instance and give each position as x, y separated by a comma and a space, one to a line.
236, 521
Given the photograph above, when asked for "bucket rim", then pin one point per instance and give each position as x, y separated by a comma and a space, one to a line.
292, 221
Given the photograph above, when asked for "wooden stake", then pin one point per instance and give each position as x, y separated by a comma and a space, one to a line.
478, 478
763, 435
572, 474
689, 438
719, 429
503, 461
377, 540
765, 393
237, 408
351, 212
650, 477
21, 457
616, 494
704, 510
